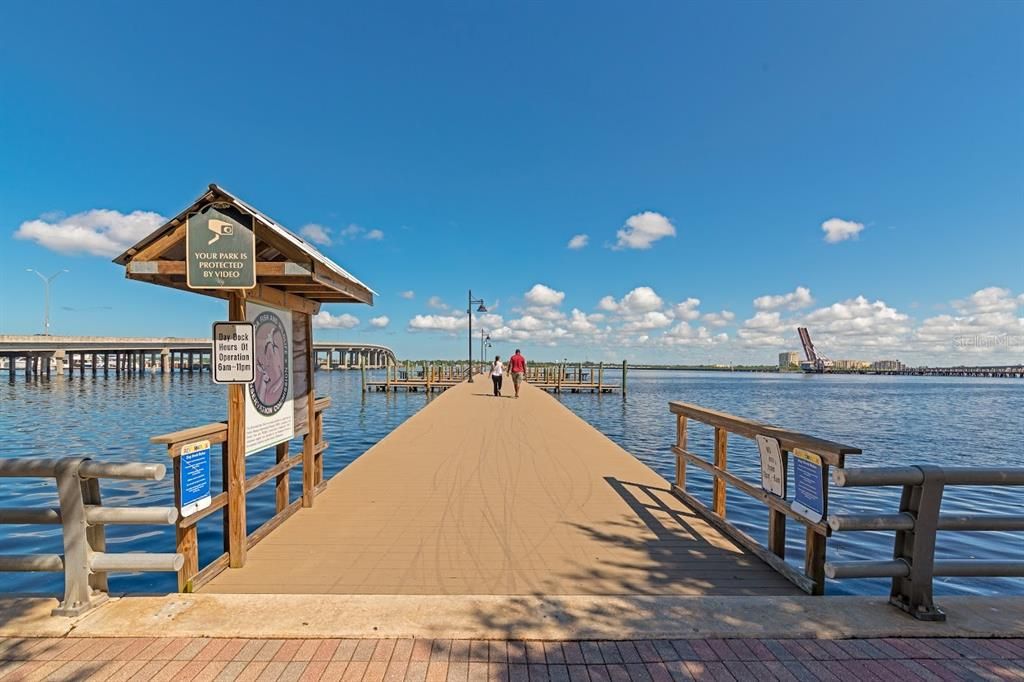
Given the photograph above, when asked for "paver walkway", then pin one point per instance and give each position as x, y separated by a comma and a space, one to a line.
483, 495
468, 661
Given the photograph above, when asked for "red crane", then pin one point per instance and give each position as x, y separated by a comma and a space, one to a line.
815, 362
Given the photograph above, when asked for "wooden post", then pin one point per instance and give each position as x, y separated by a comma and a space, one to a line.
428, 376
623, 378
186, 538
387, 377
309, 442
81, 365
106, 364
281, 482
362, 370
236, 453
777, 520
681, 444
600, 378
814, 560
561, 371
718, 492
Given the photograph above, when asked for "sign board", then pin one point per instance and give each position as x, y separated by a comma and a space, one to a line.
220, 249
269, 411
194, 467
809, 485
233, 358
773, 468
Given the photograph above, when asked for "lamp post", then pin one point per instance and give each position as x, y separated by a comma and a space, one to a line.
469, 313
484, 336
46, 289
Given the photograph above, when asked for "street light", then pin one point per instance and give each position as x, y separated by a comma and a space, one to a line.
469, 313
483, 338
46, 288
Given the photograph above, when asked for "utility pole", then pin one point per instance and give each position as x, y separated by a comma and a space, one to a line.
46, 293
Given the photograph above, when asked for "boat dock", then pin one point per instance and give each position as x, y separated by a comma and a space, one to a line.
482, 495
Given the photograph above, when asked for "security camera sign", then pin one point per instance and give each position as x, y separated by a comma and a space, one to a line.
221, 248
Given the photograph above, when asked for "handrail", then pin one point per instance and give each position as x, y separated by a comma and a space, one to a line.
913, 566
812, 578
85, 561
192, 576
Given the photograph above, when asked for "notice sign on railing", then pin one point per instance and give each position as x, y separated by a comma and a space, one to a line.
234, 359
194, 473
809, 485
773, 470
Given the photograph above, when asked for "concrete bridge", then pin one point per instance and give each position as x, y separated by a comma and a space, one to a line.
43, 355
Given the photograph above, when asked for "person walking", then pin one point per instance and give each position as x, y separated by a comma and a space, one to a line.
517, 366
497, 371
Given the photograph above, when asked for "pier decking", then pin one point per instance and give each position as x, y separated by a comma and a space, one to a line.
498, 496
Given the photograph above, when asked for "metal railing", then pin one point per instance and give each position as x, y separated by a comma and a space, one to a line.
85, 561
913, 566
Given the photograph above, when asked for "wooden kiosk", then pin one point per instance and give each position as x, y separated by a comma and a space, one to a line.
220, 246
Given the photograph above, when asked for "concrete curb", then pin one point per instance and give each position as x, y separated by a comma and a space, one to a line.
511, 617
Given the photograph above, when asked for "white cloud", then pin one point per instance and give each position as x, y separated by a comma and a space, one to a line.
719, 319
637, 302
352, 230
528, 323
318, 234
541, 295
440, 323
436, 303
375, 235
838, 230
380, 322
688, 309
685, 335
578, 241
987, 323
99, 232
408, 295
794, 300
643, 229
654, 319
324, 320
581, 322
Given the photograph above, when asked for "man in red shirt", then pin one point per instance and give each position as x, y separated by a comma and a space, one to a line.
517, 366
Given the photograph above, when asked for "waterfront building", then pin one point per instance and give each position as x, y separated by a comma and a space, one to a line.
887, 365
789, 360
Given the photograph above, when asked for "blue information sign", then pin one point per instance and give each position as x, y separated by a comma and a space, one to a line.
809, 484
195, 477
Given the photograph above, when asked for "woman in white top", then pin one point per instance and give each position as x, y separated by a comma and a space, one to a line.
497, 370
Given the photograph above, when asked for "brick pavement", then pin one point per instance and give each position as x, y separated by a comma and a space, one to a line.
385, 660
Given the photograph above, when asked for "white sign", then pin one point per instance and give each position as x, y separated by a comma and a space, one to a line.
773, 472
269, 412
233, 358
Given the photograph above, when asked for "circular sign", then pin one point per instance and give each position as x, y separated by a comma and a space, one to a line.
270, 389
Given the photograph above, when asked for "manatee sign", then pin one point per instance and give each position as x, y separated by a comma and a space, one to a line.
269, 408
220, 249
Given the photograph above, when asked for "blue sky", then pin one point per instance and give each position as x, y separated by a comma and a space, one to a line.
472, 141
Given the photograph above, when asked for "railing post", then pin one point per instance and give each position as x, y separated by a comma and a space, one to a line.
814, 559
681, 444
186, 538
281, 492
916, 547
79, 596
777, 520
718, 491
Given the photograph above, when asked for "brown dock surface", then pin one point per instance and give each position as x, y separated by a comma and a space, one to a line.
497, 496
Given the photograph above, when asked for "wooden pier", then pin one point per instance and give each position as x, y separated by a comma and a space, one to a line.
482, 495
556, 378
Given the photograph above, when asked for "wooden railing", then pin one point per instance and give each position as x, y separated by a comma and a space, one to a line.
191, 576
812, 578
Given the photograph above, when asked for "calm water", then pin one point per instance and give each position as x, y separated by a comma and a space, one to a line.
895, 420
